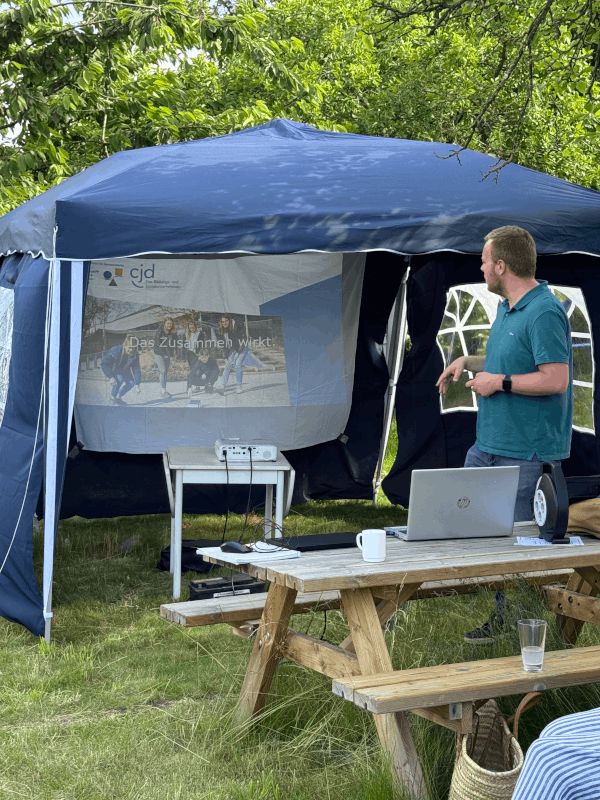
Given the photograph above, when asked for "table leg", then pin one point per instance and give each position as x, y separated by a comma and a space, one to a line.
267, 650
373, 657
176, 549
268, 510
171, 570
386, 609
279, 501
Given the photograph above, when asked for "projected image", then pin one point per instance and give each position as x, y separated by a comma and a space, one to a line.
158, 355
468, 317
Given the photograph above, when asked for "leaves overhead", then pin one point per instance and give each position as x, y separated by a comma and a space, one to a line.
512, 60
71, 74
517, 79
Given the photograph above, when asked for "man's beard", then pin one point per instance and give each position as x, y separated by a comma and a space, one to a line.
496, 287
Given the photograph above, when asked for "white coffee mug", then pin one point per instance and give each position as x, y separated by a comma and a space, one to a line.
372, 544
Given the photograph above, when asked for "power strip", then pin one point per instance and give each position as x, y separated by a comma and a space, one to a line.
244, 452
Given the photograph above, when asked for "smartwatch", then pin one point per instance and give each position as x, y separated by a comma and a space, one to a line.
507, 384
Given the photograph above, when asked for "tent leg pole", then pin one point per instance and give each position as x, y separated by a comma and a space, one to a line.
51, 445
48, 625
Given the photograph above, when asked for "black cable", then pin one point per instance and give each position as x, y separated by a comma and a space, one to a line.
324, 626
232, 573
226, 495
249, 496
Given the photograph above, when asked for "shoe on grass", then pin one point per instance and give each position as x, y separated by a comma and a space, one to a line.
488, 632
493, 628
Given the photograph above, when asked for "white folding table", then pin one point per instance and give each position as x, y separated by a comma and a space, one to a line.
201, 465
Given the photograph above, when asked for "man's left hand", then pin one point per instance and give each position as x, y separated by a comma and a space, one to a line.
485, 383
139, 389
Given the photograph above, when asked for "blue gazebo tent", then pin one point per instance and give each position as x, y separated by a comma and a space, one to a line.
280, 188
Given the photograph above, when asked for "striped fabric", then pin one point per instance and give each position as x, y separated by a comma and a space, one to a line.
564, 763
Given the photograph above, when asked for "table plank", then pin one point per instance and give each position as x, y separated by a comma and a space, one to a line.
476, 680
239, 608
416, 562
195, 457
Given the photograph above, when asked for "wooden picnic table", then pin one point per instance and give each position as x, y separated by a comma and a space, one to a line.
372, 592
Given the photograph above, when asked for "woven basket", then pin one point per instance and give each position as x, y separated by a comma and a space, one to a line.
488, 761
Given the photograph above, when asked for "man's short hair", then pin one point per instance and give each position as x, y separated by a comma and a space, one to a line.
516, 247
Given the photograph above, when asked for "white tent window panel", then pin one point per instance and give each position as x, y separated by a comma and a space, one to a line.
7, 305
470, 311
583, 356
468, 317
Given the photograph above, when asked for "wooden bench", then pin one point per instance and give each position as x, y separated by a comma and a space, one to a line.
241, 609
238, 609
445, 693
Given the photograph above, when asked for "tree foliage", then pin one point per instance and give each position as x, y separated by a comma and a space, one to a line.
81, 80
517, 79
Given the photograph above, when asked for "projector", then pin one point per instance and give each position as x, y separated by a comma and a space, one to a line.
237, 452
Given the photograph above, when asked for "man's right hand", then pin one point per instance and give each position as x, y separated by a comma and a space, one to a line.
113, 381
452, 372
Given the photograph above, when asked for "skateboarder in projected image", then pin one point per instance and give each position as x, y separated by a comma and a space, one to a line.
203, 374
237, 343
164, 350
121, 364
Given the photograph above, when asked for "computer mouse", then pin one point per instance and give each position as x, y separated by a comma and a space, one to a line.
235, 547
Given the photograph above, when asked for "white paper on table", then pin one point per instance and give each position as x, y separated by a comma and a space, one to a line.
533, 541
265, 553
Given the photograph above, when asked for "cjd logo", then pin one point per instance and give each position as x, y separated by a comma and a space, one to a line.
464, 502
138, 274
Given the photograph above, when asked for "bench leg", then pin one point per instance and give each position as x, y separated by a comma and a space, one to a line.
371, 651
569, 627
267, 650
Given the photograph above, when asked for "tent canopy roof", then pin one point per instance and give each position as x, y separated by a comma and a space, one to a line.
284, 187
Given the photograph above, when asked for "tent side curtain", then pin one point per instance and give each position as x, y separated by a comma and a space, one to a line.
67, 300
21, 436
27, 419
430, 439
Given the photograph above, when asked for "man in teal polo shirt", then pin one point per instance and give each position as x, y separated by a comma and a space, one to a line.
524, 382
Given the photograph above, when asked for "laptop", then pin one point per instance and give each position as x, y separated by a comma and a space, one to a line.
464, 503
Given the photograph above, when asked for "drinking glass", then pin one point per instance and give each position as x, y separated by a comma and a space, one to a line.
532, 636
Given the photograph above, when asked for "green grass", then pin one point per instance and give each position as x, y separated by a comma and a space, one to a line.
124, 705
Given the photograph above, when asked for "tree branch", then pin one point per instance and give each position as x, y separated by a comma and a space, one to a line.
533, 28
